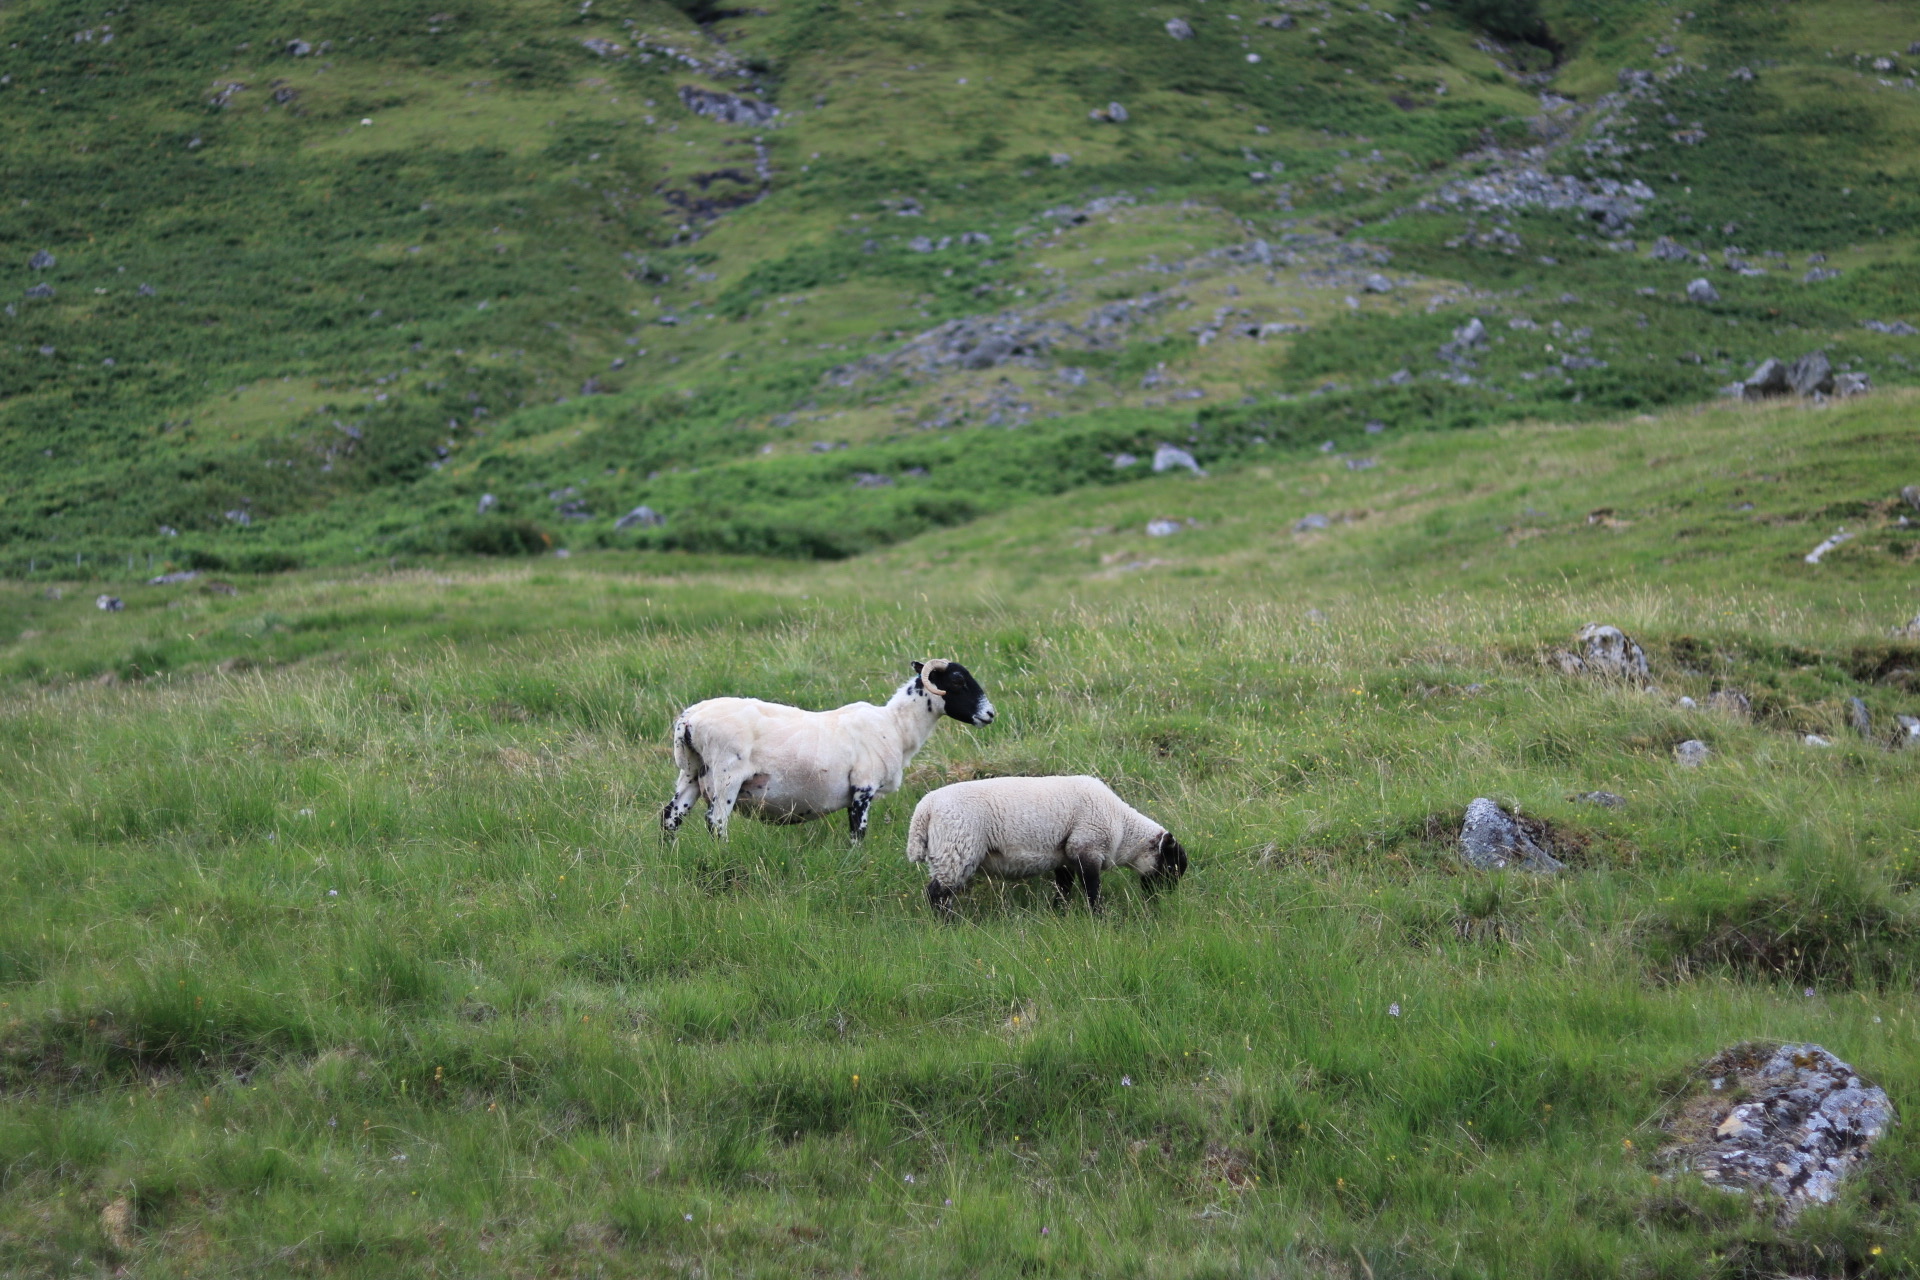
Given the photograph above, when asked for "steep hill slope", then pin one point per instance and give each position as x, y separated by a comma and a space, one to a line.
326, 275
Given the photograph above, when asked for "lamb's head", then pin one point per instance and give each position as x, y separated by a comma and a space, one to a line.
959, 694
1162, 865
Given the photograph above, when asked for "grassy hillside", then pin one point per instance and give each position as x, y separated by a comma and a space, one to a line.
338, 937
326, 274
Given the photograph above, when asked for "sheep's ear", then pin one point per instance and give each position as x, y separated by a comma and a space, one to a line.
917, 666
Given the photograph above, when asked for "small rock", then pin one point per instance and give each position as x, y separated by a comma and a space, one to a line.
1116, 113
1848, 385
1178, 29
42, 260
641, 517
1605, 799
1692, 753
1860, 718
1377, 283
1666, 249
1815, 275
1604, 650
1909, 632
1911, 495
1375, 427
1907, 731
41, 290
1470, 334
1702, 290
1897, 328
1768, 379
145, 291
1811, 373
1073, 377
1163, 528
1818, 553
1787, 1122
1167, 457
920, 244
1740, 73
1686, 703
171, 579
1362, 464
1308, 523
1283, 22
591, 387
486, 504
240, 516
111, 604
1730, 702
1491, 839
1060, 159
1815, 740
298, 48
871, 480
1121, 461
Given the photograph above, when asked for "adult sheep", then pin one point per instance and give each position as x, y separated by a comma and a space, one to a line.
782, 764
1018, 827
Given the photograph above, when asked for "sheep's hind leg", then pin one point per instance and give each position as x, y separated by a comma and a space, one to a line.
940, 898
726, 793
685, 792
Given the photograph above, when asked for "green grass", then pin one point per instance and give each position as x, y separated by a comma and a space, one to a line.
362, 955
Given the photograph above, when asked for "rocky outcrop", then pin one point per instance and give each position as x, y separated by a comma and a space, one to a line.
726, 106
1812, 376
1603, 650
1787, 1123
1491, 839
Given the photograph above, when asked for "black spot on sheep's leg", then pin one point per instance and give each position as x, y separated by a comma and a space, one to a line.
940, 898
1063, 885
1090, 880
857, 807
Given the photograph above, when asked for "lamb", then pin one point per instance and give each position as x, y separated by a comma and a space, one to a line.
1016, 827
782, 764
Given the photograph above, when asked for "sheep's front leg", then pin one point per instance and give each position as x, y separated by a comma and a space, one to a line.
1090, 880
857, 806
685, 792
1063, 885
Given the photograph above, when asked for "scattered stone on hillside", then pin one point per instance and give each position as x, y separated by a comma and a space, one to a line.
298, 48
486, 504
1121, 461
1898, 328
1362, 464
1730, 702
871, 480
111, 604
1811, 374
1603, 650
41, 290
1167, 457
1786, 1122
240, 516
1178, 29
641, 517
42, 260
1860, 718
1907, 731
1740, 73
1112, 113
1848, 385
173, 579
1605, 799
1667, 249
1911, 631
1608, 201
1375, 427
1815, 740
1814, 556
827, 446
1815, 275
1377, 283
1313, 520
1686, 704
1692, 753
1471, 334
1060, 159
1164, 528
1911, 496
1491, 839
1702, 290
920, 244
591, 387
145, 291
1072, 376
726, 106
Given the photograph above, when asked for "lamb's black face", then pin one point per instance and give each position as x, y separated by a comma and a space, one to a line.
963, 697
1171, 862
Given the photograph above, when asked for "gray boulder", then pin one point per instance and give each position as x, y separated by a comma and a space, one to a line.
486, 504
1308, 523
641, 517
42, 260
1860, 718
1667, 249
1167, 457
1491, 839
1178, 29
726, 107
1702, 290
1602, 650
1785, 1122
1811, 373
1692, 753
1906, 731
1377, 283
1848, 385
1470, 334
1911, 494
41, 290
1769, 379
1732, 703
1116, 113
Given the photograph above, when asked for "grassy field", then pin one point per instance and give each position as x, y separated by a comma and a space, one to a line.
338, 937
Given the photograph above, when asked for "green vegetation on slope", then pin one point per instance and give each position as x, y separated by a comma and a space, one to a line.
338, 935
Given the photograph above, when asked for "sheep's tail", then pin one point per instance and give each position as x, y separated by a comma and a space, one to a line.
917, 832
685, 755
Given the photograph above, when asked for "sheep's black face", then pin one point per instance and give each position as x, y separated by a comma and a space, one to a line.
963, 697
1170, 860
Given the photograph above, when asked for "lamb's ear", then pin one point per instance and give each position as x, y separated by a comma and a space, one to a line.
1173, 858
917, 666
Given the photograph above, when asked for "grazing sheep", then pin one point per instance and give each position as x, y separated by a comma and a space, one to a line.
1016, 827
781, 764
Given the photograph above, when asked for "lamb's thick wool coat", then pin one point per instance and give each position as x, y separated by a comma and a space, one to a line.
1018, 827
783, 764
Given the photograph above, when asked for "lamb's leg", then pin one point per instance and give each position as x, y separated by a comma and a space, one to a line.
857, 806
685, 791
940, 898
1090, 880
1063, 885
726, 791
